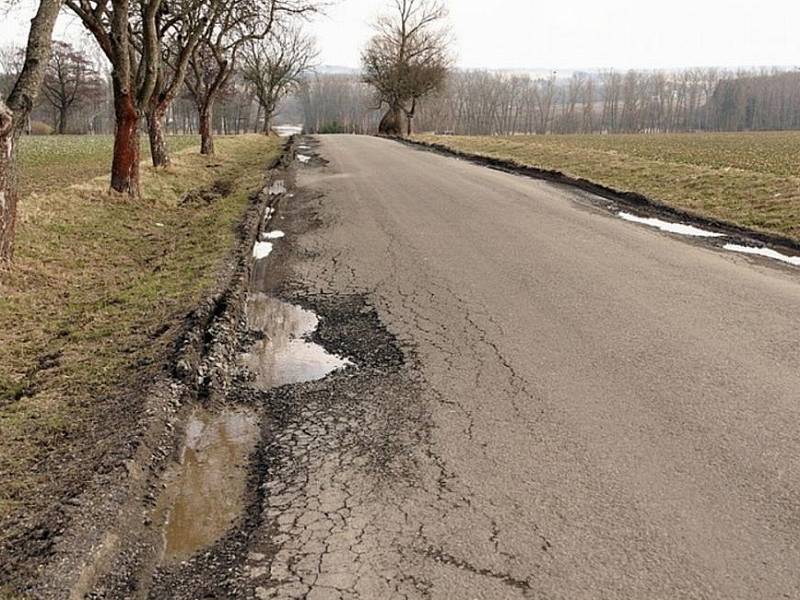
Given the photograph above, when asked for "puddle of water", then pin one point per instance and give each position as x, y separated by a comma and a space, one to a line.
285, 355
262, 250
273, 235
303, 158
678, 228
767, 252
205, 493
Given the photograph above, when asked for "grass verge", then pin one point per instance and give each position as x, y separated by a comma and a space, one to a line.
98, 291
52, 162
748, 179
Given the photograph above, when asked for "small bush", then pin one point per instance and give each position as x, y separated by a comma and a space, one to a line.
40, 128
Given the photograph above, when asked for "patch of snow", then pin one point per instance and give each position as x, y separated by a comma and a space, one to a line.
767, 252
278, 187
678, 228
272, 235
303, 158
262, 250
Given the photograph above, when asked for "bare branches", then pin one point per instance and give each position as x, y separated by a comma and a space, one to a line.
273, 66
408, 57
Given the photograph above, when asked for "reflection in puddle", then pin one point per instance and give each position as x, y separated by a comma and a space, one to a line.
767, 252
678, 228
205, 492
285, 355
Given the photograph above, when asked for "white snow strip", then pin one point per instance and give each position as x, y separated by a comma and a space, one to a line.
262, 250
303, 158
678, 228
272, 235
769, 253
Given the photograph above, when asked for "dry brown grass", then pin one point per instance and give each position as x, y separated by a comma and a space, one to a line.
750, 179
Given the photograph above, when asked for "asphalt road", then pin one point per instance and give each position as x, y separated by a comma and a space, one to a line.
601, 410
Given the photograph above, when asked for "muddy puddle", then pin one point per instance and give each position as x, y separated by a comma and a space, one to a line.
204, 494
285, 355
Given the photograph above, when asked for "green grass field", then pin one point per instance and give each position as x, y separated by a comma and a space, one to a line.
94, 282
50, 162
750, 179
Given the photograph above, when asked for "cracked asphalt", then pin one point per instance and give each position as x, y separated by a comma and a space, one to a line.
585, 408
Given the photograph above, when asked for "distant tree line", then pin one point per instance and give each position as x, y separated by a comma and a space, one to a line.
484, 102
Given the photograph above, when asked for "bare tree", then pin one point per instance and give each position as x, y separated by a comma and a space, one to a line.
215, 58
274, 65
14, 112
407, 59
180, 29
70, 80
129, 37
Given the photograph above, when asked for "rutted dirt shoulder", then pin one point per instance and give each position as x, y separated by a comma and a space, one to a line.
77, 542
367, 421
621, 200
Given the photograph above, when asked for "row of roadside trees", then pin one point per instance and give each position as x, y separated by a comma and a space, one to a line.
157, 51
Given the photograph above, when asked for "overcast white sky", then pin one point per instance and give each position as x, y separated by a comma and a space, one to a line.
570, 34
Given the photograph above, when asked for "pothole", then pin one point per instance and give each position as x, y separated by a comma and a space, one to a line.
285, 355
204, 493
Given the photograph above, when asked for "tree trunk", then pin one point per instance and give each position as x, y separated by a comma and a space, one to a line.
410, 117
392, 122
9, 191
125, 166
267, 124
206, 133
62, 120
158, 143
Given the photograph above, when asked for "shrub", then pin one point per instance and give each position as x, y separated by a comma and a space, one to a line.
40, 128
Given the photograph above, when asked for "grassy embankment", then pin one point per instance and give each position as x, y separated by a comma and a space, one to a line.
98, 289
750, 179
